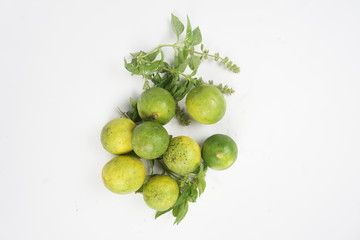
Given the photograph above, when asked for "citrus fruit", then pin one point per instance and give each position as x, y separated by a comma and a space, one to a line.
183, 155
150, 140
116, 136
219, 151
160, 192
156, 104
124, 174
206, 104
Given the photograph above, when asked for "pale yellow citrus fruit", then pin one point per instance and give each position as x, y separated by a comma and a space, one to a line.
183, 155
161, 192
116, 136
124, 174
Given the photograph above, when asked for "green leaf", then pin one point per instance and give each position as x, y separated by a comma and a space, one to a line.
135, 54
183, 196
179, 58
201, 185
185, 53
194, 62
183, 209
151, 57
176, 61
159, 213
131, 67
197, 38
193, 194
171, 83
156, 79
201, 178
146, 85
175, 211
153, 66
188, 36
177, 25
181, 68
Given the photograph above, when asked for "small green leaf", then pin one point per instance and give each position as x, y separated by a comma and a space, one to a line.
156, 79
175, 211
153, 66
201, 185
185, 53
188, 28
135, 54
197, 38
183, 209
181, 68
193, 194
151, 57
177, 25
194, 62
159, 213
183, 196
146, 85
131, 67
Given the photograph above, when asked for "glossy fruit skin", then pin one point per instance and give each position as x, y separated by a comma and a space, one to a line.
116, 136
156, 104
219, 151
206, 104
150, 140
183, 155
161, 192
124, 174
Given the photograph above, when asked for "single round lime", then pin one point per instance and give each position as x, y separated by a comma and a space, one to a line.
219, 151
156, 104
160, 192
150, 140
206, 104
124, 174
116, 136
183, 155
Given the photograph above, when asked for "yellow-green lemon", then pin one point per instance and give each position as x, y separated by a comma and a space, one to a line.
160, 192
183, 155
116, 136
124, 174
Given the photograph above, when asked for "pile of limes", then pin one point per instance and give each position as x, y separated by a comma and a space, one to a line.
179, 157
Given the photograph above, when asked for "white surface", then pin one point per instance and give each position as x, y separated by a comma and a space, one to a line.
295, 117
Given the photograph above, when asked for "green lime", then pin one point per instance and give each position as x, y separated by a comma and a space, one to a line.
219, 151
206, 104
156, 104
150, 140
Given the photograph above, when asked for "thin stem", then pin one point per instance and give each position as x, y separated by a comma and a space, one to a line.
168, 171
164, 45
209, 55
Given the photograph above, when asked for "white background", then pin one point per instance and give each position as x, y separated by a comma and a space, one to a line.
295, 117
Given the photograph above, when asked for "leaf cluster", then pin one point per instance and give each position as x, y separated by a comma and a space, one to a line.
178, 76
191, 187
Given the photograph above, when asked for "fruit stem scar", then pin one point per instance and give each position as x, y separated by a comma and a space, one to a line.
219, 155
153, 116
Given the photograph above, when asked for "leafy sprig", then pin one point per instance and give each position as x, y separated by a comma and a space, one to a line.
191, 187
179, 75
